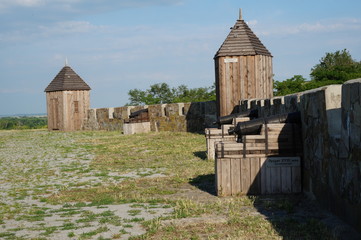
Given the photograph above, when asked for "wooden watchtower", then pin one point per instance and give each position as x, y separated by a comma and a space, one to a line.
68, 101
243, 69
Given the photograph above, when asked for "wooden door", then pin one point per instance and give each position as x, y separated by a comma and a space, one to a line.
55, 113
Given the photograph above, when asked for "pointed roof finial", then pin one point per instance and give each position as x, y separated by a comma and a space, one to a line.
66, 61
240, 14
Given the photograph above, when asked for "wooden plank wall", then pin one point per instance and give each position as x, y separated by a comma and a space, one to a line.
54, 108
70, 110
242, 77
237, 176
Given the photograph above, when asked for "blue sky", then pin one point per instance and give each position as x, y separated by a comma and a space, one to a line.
118, 45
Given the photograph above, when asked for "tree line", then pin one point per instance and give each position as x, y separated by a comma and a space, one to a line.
333, 68
9, 123
161, 93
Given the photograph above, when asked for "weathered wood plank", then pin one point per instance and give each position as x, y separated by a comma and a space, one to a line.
236, 84
226, 177
218, 171
255, 176
270, 78
222, 86
251, 76
263, 179
242, 76
286, 179
228, 87
235, 176
263, 77
296, 179
275, 180
245, 175
268, 179
245, 76
257, 83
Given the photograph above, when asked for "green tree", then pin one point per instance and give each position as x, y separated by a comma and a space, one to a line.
161, 93
336, 67
156, 94
292, 85
202, 94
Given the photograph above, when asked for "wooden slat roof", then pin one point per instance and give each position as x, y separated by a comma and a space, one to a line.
67, 79
241, 41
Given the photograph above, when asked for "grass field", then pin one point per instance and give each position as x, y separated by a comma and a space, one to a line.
103, 185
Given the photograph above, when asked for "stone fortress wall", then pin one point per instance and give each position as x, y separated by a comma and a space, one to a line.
174, 117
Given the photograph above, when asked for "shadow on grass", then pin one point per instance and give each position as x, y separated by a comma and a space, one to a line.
205, 183
201, 154
293, 215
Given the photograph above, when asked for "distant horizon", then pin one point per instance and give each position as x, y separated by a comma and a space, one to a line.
24, 115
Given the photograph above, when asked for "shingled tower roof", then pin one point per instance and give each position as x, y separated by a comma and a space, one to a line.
67, 79
241, 41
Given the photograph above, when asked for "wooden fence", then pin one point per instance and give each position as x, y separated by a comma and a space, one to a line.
258, 175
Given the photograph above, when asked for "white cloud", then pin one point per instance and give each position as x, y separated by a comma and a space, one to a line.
325, 26
85, 5
252, 23
6, 4
67, 27
35, 33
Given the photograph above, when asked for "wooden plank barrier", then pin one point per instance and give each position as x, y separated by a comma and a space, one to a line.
258, 175
267, 163
215, 135
280, 141
240, 119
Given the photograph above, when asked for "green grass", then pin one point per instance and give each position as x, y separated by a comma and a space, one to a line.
134, 212
186, 176
90, 234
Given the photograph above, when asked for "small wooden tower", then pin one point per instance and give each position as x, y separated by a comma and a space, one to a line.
68, 101
243, 68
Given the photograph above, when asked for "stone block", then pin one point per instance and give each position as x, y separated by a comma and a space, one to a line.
277, 106
195, 110
102, 114
291, 103
333, 109
211, 108
91, 122
155, 111
244, 105
171, 109
121, 113
267, 108
136, 128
